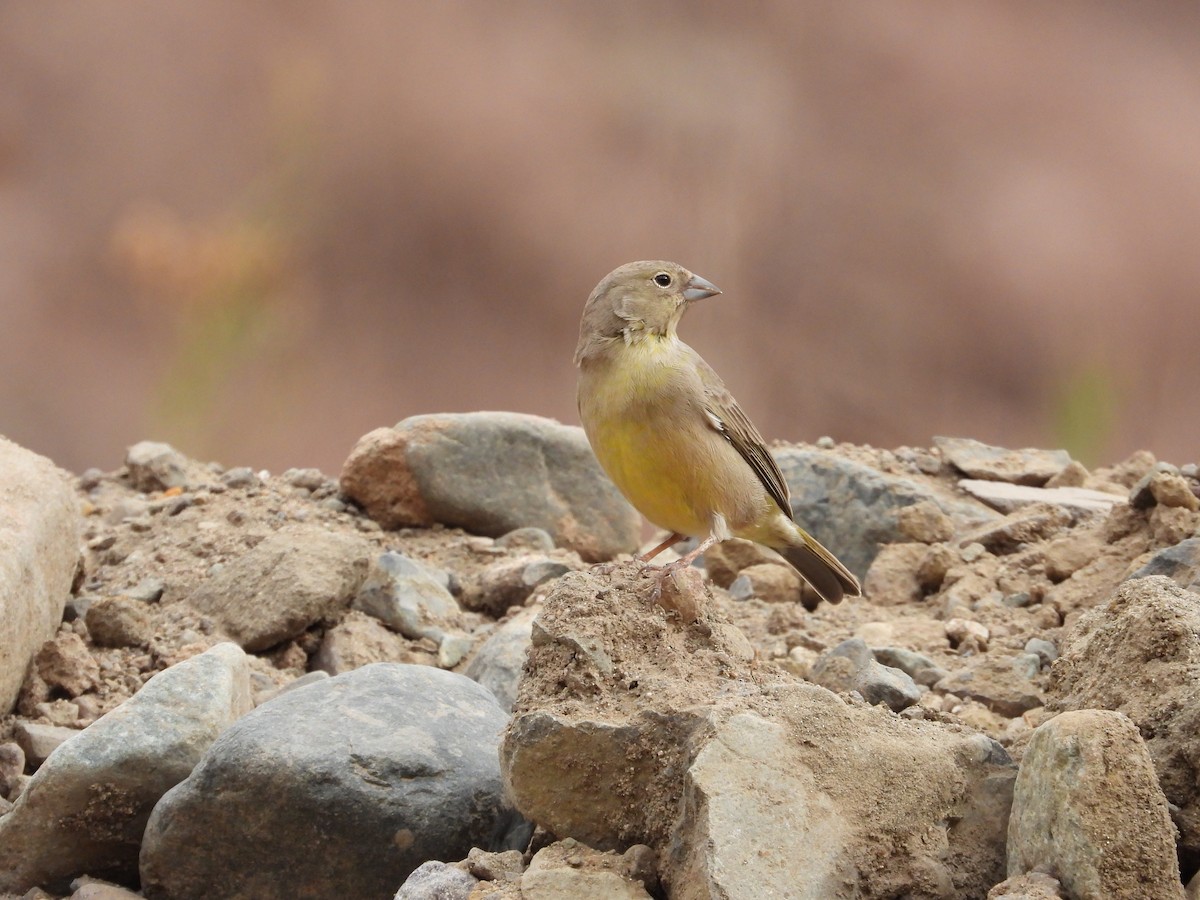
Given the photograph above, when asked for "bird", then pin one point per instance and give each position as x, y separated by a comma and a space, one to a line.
666, 430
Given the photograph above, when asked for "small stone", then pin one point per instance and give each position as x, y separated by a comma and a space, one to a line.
1172, 489
1075, 475
850, 666
509, 583
825, 442
1030, 886
769, 582
148, 590
1018, 600
1027, 665
959, 631
893, 577
437, 881
1043, 649
725, 560
1028, 525
155, 466
452, 649
506, 865
39, 741
925, 523
119, 622
65, 663
12, 767
1008, 498
240, 477
529, 539
408, 597
971, 552
308, 479
1026, 467
931, 570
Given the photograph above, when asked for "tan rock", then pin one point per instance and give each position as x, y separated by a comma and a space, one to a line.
892, 579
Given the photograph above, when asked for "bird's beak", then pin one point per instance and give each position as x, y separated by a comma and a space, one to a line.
698, 288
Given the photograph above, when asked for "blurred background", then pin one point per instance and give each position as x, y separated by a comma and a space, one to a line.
257, 231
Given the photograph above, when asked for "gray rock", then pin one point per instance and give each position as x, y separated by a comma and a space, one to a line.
978, 460
1180, 563
308, 479
39, 534
86, 807
850, 666
437, 881
37, 740
532, 540
446, 468
905, 660
1027, 665
240, 477
155, 466
1008, 498
853, 509
510, 583
408, 597
119, 622
1087, 807
276, 590
12, 767
148, 590
499, 662
382, 768
1044, 649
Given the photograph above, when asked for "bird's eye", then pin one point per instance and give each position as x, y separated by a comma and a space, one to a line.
662, 279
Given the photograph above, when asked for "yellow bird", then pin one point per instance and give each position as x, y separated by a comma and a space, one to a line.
668, 433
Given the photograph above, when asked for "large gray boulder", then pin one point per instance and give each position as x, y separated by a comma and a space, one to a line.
491, 473
337, 789
85, 809
39, 551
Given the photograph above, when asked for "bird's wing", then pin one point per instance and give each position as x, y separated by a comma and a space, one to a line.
726, 417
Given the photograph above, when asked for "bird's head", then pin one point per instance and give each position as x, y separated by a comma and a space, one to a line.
638, 300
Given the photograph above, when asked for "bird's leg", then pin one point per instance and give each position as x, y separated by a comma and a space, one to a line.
672, 539
688, 558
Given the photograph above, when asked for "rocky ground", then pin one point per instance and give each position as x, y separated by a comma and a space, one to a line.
414, 678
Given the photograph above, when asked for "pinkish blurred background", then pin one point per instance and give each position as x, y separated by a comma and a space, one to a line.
259, 230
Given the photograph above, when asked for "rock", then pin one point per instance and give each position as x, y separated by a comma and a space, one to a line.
1074, 475
528, 539
725, 560
86, 807
240, 477
1045, 650
632, 726
119, 622
64, 663
892, 579
570, 869
155, 466
382, 768
1138, 653
974, 635
850, 666
1065, 556
510, 583
437, 881
1009, 498
1163, 486
498, 663
769, 582
925, 523
442, 468
978, 460
507, 865
408, 597
12, 767
1088, 808
1180, 563
40, 534
918, 665
852, 509
995, 684
277, 589
38, 741
1030, 886
1027, 525
357, 641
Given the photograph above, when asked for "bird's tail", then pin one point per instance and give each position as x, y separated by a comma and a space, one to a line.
820, 568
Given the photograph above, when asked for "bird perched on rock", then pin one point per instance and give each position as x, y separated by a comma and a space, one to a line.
668, 433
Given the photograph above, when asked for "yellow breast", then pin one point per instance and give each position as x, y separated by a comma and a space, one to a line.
642, 411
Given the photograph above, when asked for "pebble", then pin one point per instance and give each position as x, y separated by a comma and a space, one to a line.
240, 477
1045, 650
529, 538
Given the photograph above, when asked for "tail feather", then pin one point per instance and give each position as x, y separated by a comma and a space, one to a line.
821, 569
